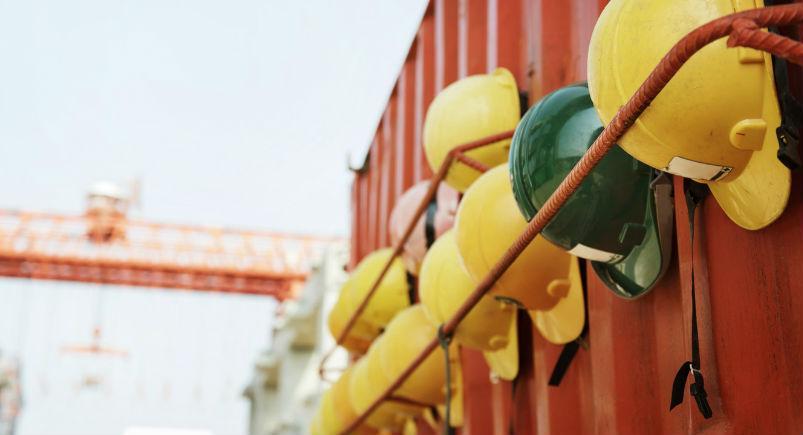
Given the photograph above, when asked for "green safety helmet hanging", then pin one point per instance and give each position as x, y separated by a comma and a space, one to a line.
621, 216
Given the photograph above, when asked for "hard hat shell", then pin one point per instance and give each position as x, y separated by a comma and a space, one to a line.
367, 384
716, 119
316, 426
438, 217
467, 110
403, 340
328, 420
544, 278
336, 407
338, 316
490, 326
611, 218
392, 295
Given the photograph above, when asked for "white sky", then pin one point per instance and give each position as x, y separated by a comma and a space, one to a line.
236, 113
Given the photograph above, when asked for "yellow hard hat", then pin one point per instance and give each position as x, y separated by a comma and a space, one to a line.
392, 295
336, 407
490, 326
316, 426
544, 279
328, 418
715, 121
467, 110
406, 335
367, 384
338, 317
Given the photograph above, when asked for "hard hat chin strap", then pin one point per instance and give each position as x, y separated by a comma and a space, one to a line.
445, 340
412, 294
429, 222
570, 349
695, 194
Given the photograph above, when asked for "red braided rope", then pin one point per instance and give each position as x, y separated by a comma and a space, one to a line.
746, 33
627, 115
471, 163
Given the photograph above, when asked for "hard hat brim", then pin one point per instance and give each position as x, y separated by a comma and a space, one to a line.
646, 263
505, 362
564, 322
758, 196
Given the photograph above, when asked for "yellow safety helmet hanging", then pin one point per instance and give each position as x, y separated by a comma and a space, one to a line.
316, 425
443, 285
336, 407
367, 384
392, 295
544, 278
404, 339
338, 317
715, 121
328, 419
470, 109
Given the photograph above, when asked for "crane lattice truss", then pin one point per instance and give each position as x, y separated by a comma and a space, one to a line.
56, 247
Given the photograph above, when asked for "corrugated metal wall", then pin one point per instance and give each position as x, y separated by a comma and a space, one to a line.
751, 294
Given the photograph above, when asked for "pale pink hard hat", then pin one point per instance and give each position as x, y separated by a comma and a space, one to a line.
436, 220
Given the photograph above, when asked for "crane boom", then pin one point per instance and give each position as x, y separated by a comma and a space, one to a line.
61, 247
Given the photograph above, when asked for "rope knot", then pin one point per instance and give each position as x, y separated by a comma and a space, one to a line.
742, 30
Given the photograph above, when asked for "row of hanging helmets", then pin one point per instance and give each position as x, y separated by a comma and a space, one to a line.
719, 129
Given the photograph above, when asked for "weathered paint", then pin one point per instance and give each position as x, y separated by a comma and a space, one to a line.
749, 283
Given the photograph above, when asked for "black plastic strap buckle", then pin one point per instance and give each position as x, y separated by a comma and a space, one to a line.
697, 390
788, 143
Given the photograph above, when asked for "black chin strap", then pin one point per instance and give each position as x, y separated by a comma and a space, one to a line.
570, 349
411, 286
429, 222
695, 194
444, 340
565, 358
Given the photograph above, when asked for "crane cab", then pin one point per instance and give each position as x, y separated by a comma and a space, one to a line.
106, 209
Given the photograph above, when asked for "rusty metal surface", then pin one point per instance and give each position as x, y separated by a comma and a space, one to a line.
751, 306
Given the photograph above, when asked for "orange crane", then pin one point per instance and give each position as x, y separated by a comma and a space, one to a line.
104, 246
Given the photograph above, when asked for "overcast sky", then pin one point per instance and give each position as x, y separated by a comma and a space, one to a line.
236, 113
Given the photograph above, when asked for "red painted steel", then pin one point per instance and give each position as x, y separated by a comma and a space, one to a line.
477, 21
751, 305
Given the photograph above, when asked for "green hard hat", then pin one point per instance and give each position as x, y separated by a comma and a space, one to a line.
620, 217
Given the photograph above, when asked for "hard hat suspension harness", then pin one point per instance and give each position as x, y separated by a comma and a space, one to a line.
695, 194
791, 109
747, 33
429, 222
791, 116
411, 288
